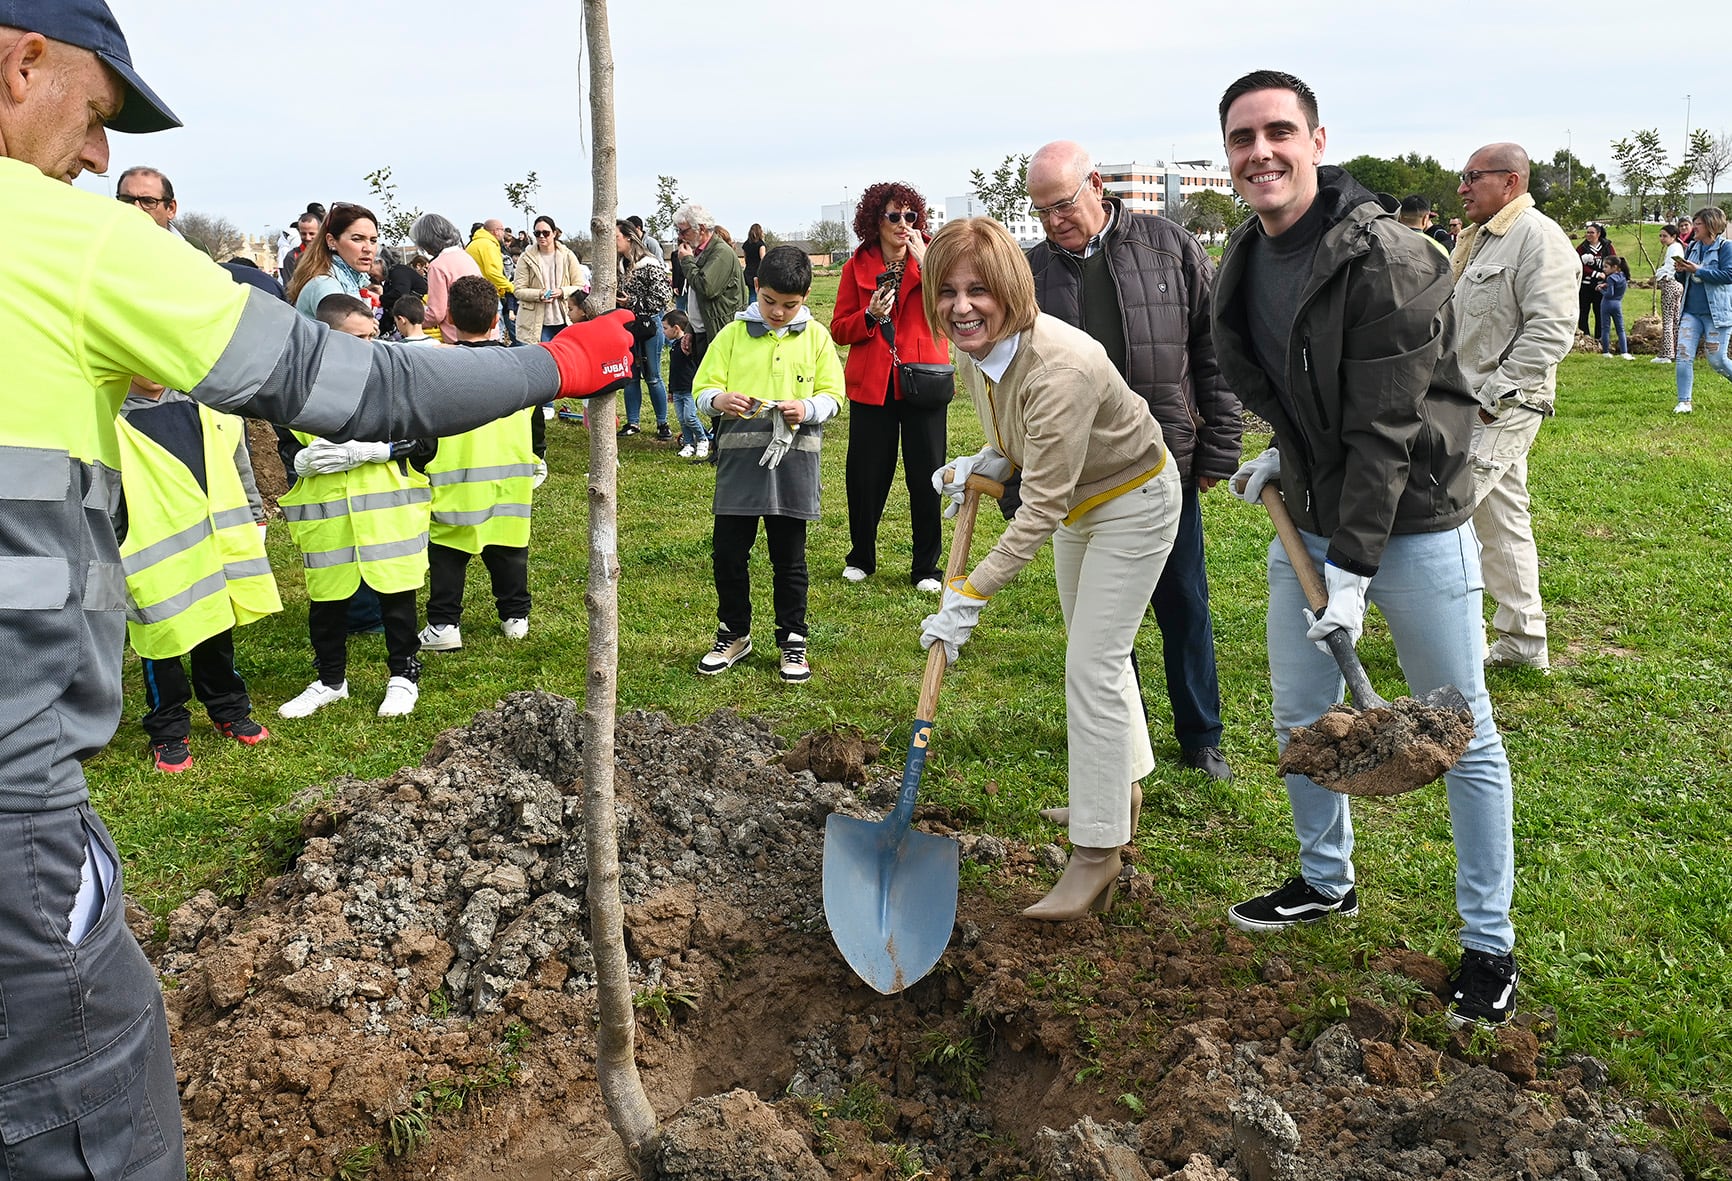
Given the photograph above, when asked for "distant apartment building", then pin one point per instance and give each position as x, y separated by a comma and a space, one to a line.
1161, 187
1025, 229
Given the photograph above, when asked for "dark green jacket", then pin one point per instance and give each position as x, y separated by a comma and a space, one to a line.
715, 277
1376, 431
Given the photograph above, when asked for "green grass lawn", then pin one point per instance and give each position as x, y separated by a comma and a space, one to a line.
1623, 803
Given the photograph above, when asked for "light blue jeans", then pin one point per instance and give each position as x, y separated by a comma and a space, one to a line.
1428, 589
686, 410
652, 349
1693, 328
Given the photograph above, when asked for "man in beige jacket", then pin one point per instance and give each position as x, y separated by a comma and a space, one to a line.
1515, 309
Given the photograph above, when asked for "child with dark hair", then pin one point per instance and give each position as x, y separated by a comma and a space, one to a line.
483, 483
409, 315
774, 378
682, 370
1612, 289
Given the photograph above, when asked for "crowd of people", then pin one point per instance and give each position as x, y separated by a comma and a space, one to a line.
1108, 368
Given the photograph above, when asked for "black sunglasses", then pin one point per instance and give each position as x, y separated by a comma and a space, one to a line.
145, 203
907, 215
544, 233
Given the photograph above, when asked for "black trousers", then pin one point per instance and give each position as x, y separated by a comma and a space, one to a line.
873, 432
731, 550
1590, 302
327, 625
1181, 603
167, 688
507, 566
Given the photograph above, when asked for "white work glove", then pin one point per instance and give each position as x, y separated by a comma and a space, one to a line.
951, 480
1346, 609
781, 439
323, 458
954, 622
360, 453
1247, 483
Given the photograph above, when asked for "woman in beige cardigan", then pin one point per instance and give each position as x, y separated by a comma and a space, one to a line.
547, 276
1096, 480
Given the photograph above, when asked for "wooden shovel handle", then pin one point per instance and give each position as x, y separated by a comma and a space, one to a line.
1311, 582
960, 543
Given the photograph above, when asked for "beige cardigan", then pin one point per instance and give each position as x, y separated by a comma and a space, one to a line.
531, 283
1078, 434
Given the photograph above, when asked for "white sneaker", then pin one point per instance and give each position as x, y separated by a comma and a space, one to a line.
853, 574
400, 696
314, 697
729, 650
1663, 361
795, 668
1628, 356
1682, 408
929, 586
515, 629
540, 474
436, 638
687, 451
703, 449
547, 412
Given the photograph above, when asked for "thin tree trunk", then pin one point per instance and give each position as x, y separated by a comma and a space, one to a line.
628, 1108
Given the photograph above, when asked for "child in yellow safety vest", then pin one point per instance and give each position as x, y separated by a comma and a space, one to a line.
194, 555
483, 481
358, 514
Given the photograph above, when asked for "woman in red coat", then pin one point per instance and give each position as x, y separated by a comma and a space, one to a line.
879, 303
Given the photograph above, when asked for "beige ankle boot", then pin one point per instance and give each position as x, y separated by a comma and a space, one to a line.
1090, 877
1062, 815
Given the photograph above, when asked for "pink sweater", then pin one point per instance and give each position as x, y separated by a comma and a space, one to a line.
452, 264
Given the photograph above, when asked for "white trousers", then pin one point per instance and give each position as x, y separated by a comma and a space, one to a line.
1508, 557
1106, 563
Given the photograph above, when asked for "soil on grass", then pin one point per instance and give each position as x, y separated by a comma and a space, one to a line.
267, 468
415, 997
1381, 751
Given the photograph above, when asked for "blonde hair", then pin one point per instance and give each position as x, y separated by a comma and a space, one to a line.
995, 255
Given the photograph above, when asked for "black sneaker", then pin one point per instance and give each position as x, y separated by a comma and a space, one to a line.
171, 756
630, 428
1483, 989
795, 667
663, 432
1294, 903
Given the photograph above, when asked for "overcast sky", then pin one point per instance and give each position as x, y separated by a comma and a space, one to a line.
765, 112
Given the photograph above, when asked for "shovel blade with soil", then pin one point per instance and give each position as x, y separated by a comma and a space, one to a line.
889, 892
1374, 747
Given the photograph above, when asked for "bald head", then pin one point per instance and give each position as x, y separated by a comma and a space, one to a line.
1495, 175
495, 227
1062, 181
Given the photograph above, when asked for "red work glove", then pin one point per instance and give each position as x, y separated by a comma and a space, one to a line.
594, 356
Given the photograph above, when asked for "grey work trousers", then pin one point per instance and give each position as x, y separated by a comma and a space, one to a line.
87, 1085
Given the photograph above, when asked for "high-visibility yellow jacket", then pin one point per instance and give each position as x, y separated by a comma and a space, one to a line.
369, 522
195, 563
482, 482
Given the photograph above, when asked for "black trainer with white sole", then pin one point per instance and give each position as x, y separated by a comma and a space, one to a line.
1294, 902
1483, 989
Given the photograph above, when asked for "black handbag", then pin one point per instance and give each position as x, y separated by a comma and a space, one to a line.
924, 385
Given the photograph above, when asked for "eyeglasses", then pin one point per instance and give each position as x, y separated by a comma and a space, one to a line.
144, 203
544, 233
907, 215
1473, 174
1058, 207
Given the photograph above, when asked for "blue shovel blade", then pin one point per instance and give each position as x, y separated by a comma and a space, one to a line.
890, 898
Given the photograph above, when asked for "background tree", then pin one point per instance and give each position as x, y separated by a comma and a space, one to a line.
1403, 176
668, 199
521, 194
1004, 194
1569, 191
394, 222
828, 237
1641, 163
1707, 157
1675, 191
216, 236
579, 243
628, 1108
1207, 212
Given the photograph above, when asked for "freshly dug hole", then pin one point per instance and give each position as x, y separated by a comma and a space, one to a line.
420, 980
1378, 751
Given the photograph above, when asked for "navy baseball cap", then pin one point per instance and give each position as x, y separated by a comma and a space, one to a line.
89, 25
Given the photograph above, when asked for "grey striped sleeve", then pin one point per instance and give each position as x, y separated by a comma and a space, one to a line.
287, 369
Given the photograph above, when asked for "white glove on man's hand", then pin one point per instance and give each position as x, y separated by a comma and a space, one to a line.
1247, 483
954, 622
951, 480
360, 453
1346, 609
321, 458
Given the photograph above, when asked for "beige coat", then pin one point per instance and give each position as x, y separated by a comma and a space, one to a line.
531, 282
1078, 434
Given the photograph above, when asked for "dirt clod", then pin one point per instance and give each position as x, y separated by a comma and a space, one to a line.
1378, 751
838, 755
727, 1137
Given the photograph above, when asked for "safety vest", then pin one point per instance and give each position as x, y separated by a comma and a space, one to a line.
369, 522
195, 563
482, 481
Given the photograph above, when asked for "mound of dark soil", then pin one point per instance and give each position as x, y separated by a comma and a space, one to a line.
415, 997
